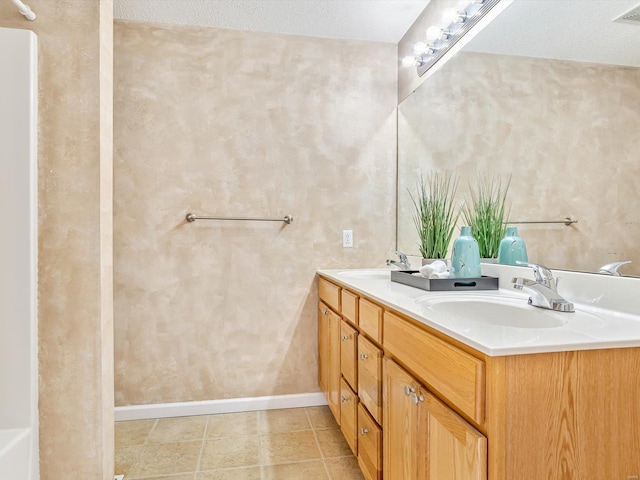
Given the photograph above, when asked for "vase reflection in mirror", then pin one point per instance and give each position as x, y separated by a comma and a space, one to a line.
512, 248
465, 258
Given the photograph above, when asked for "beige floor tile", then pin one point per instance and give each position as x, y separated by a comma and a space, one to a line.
313, 470
280, 421
230, 452
289, 447
167, 458
332, 443
133, 432
125, 458
232, 424
344, 468
178, 429
244, 473
321, 418
188, 476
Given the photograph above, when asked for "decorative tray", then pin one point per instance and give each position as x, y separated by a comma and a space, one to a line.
444, 284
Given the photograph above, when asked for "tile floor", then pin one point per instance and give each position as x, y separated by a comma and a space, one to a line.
292, 444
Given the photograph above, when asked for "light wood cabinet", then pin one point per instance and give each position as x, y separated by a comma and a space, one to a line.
369, 446
423, 438
370, 319
370, 377
323, 348
348, 354
349, 415
333, 370
349, 306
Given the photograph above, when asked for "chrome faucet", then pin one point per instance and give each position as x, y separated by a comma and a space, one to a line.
403, 264
544, 290
612, 268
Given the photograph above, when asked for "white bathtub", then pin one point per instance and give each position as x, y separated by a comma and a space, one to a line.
14, 454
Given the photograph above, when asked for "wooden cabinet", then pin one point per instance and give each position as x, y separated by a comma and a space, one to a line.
423, 438
370, 377
400, 423
349, 353
323, 348
333, 369
349, 415
369, 446
370, 319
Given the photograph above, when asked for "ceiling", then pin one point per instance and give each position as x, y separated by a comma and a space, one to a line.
580, 30
375, 20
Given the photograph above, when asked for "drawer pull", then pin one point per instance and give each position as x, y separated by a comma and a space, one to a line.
325, 311
408, 390
415, 399
363, 431
344, 399
364, 356
344, 338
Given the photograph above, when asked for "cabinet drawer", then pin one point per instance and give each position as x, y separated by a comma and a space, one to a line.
349, 306
369, 445
329, 293
348, 353
370, 319
370, 377
349, 415
453, 373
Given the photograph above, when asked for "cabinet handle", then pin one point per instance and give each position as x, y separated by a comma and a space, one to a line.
345, 338
363, 431
344, 399
408, 390
415, 399
325, 311
364, 356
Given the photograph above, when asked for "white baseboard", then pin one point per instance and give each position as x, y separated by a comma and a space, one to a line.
210, 407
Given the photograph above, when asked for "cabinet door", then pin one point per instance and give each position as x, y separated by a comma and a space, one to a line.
349, 415
400, 423
333, 373
348, 353
323, 348
370, 377
370, 446
454, 449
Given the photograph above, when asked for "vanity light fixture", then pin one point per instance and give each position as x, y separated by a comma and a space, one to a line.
445, 39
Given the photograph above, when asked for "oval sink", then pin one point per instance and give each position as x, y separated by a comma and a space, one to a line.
500, 311
372, 274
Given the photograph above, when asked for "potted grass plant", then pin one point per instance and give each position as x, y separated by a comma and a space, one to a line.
435, 213
486, 212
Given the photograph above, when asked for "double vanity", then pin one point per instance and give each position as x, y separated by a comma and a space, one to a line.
480, 384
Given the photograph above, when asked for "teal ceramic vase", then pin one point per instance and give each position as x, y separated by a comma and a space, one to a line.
512, 248
465, 259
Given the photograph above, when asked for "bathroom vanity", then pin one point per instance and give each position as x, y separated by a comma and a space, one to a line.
423, 391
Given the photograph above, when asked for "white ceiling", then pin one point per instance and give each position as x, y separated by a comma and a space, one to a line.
580, 30
375, 20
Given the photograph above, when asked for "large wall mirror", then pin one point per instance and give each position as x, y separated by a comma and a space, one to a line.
549, 94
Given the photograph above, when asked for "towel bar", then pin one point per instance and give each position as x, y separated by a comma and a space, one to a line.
191, 217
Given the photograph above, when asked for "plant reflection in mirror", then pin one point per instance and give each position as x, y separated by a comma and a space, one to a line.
486, 213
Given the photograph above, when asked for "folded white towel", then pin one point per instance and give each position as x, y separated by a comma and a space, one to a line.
439, 275
437, 266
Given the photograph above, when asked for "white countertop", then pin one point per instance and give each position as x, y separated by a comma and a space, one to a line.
607, 327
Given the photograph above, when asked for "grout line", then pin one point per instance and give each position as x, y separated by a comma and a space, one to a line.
144, 447
204, 439
260, 457
326, 470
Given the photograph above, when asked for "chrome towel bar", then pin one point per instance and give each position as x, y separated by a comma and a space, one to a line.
567, 221
191, 217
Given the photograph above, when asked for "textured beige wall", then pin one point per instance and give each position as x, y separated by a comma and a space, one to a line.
223, 122
74, 292
568, 134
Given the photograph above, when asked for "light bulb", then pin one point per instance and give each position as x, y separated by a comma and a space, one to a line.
420, 48
408, 61
433, 33
451, 15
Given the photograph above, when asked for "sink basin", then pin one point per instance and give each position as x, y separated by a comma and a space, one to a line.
371, 274
501, 311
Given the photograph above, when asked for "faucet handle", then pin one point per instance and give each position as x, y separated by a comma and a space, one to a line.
542, 274
612, 268
401, 256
